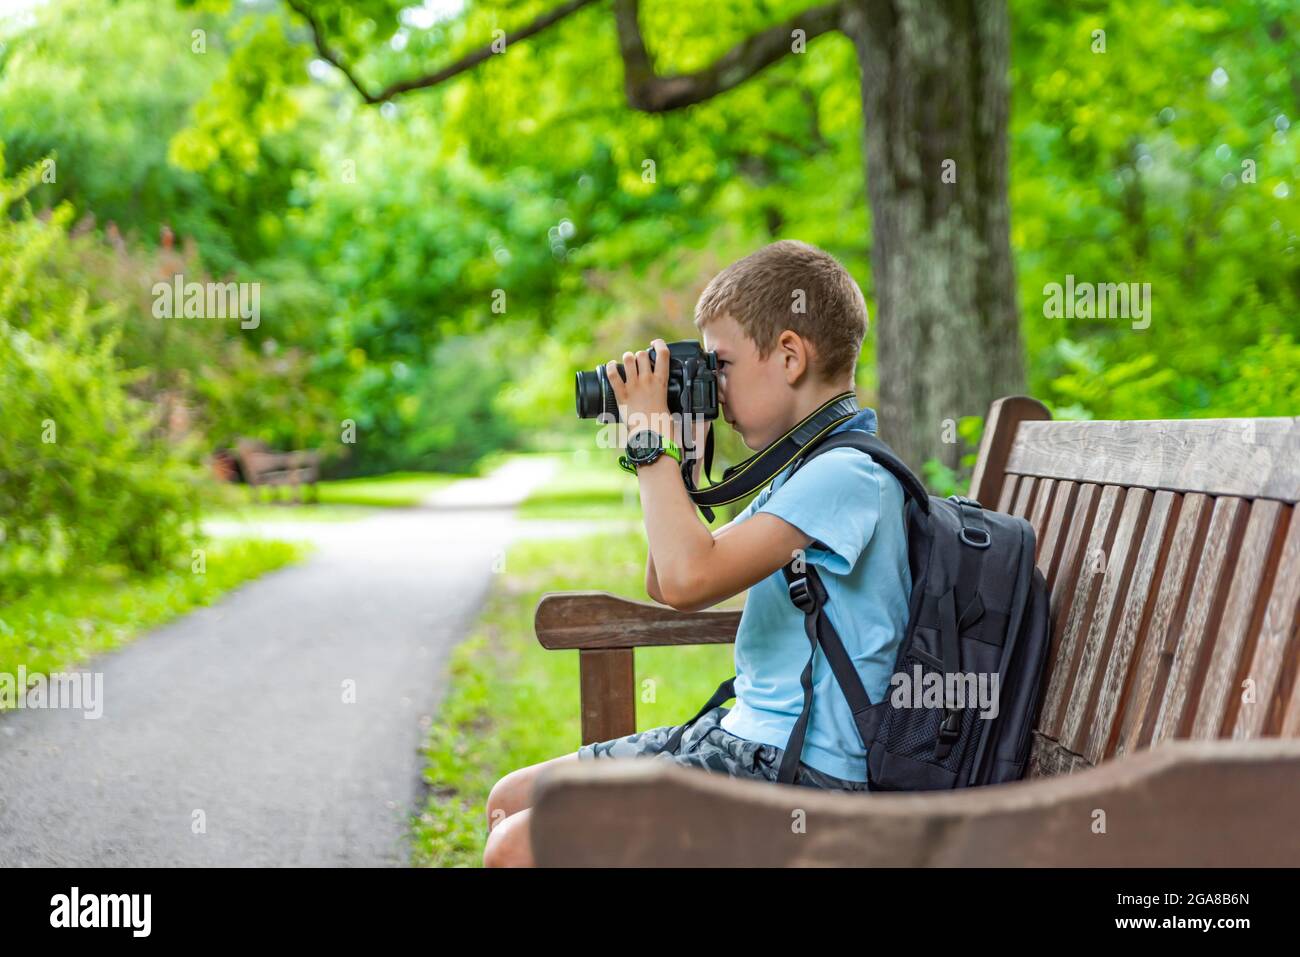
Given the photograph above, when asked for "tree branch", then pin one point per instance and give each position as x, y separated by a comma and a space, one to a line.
325, 53
467, 62
651, 93
646, 90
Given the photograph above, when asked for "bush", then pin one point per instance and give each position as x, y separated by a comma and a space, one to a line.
444, 415
86, 475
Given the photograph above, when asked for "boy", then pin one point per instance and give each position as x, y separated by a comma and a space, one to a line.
776, 364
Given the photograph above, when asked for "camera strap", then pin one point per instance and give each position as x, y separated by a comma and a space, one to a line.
744, 478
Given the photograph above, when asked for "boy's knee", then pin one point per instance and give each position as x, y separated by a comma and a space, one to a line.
499, 802
508, 845
514, 792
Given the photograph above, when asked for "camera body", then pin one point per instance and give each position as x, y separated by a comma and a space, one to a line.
692, 384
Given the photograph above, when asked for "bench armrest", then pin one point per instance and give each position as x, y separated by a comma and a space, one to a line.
605, 629
597, 619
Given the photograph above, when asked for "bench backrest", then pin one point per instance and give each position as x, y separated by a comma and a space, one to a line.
260, 463
256, 459
1172, 551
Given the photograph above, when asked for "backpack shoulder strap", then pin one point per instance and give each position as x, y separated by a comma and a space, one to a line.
808, 593
880, 452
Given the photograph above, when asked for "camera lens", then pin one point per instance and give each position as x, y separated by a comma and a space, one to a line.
594, 395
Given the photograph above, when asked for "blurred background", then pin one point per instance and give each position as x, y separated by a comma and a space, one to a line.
434, 264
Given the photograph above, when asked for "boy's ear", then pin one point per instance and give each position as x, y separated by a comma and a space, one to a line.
796, 355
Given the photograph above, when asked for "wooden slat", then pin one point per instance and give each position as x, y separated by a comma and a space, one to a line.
1081, 518
1058, 525
1274, 662
1048, 758
608, 689
1126, 647
1200, 624
1024, 497
597, 619
1291, 714
1000, 427
1290, 706
1221, 690
1161, 635
1185, 804
1008, 494
1042, 502
1107, 611
1254, 458
1091, 565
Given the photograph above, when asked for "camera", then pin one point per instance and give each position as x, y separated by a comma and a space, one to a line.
692, 384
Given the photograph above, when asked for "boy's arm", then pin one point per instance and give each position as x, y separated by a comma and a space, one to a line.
694, 569
652, 580
697, 568
652, 576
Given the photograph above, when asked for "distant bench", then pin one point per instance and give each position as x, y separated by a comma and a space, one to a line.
1170, 730
263, 466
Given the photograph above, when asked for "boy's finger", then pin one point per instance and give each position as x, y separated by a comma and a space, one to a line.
630, 365
661, 355
615, 380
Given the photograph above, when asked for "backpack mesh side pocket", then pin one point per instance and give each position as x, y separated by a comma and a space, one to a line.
909, 737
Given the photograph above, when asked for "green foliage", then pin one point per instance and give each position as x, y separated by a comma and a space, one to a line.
85, 474
456, 422
1168, 159
99, 86
1266, 380
385, 238
114, 122
941, 480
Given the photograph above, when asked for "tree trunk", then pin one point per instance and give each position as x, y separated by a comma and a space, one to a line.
935, 87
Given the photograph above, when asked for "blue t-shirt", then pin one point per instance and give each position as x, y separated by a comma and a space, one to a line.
853, 506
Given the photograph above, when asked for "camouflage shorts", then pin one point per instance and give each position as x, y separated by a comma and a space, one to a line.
707, 745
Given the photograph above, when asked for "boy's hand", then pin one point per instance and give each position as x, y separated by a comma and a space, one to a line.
643, 398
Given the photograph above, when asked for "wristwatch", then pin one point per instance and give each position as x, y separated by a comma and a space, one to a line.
644, 446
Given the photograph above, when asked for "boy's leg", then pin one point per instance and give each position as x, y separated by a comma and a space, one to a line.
514, 792
509, 844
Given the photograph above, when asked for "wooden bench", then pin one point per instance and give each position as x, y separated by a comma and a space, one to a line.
1170, 730
263, 466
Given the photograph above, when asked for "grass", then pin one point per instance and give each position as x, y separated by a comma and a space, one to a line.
581, 489
511, 703
57, 623
395, 490
298, 513
588, 485
338, 499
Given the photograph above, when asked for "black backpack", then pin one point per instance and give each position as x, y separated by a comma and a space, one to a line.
978, 605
